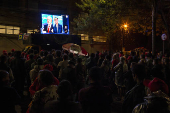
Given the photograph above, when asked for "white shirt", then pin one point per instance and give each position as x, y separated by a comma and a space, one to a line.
57, 27
49, 26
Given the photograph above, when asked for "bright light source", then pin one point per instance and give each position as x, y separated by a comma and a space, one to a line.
48, 44
125, 26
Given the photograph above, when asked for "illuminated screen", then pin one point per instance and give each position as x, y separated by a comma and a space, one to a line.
55, 24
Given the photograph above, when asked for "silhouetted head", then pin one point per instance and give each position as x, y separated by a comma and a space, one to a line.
17, 54
3, 58
58, 53
4, 78
64, 89
46, 77
95, 74
138, 71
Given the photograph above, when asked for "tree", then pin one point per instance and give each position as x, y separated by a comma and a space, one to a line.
99, 17
96, 16
104, 17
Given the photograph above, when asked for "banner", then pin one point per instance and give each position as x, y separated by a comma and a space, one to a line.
25, 36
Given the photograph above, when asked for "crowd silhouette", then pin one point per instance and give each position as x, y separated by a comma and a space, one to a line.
57, 81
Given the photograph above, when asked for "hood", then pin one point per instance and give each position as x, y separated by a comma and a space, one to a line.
158, 94
154, 99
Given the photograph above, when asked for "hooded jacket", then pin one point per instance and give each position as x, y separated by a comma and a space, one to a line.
156, 102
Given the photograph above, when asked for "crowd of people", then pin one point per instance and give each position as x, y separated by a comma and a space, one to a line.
62, 82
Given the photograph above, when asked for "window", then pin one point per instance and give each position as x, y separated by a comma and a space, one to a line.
99, 39
103, 39
30, 31
10, 29
84, 37
35, 30
16, 30
2, 29
95, 38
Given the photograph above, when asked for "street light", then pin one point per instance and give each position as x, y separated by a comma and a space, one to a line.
124, 28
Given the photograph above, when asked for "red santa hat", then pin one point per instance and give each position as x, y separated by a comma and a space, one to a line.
12, 50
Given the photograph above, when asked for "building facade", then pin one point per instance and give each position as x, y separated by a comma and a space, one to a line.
24, 16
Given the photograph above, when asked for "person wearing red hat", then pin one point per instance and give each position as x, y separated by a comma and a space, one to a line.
45, 94
155, 85
157, 100
36, 86
12, 50
4, 51
23, 54
121, 54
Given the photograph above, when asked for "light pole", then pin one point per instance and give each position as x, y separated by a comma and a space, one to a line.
124, 28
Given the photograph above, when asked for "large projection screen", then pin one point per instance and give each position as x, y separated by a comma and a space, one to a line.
55, 24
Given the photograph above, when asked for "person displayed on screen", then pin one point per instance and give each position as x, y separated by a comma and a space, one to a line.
49, 26
57, 26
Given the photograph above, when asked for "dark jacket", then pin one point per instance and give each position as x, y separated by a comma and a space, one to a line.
28, 64
157, 71
9, 98
91, 63
65, 106
57, 60
46, 28
69, 74
129, 81
18, 68
157, 102
3, 66
133, 97
80, 72
100, 61
167, 73
95, 99
19, 72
